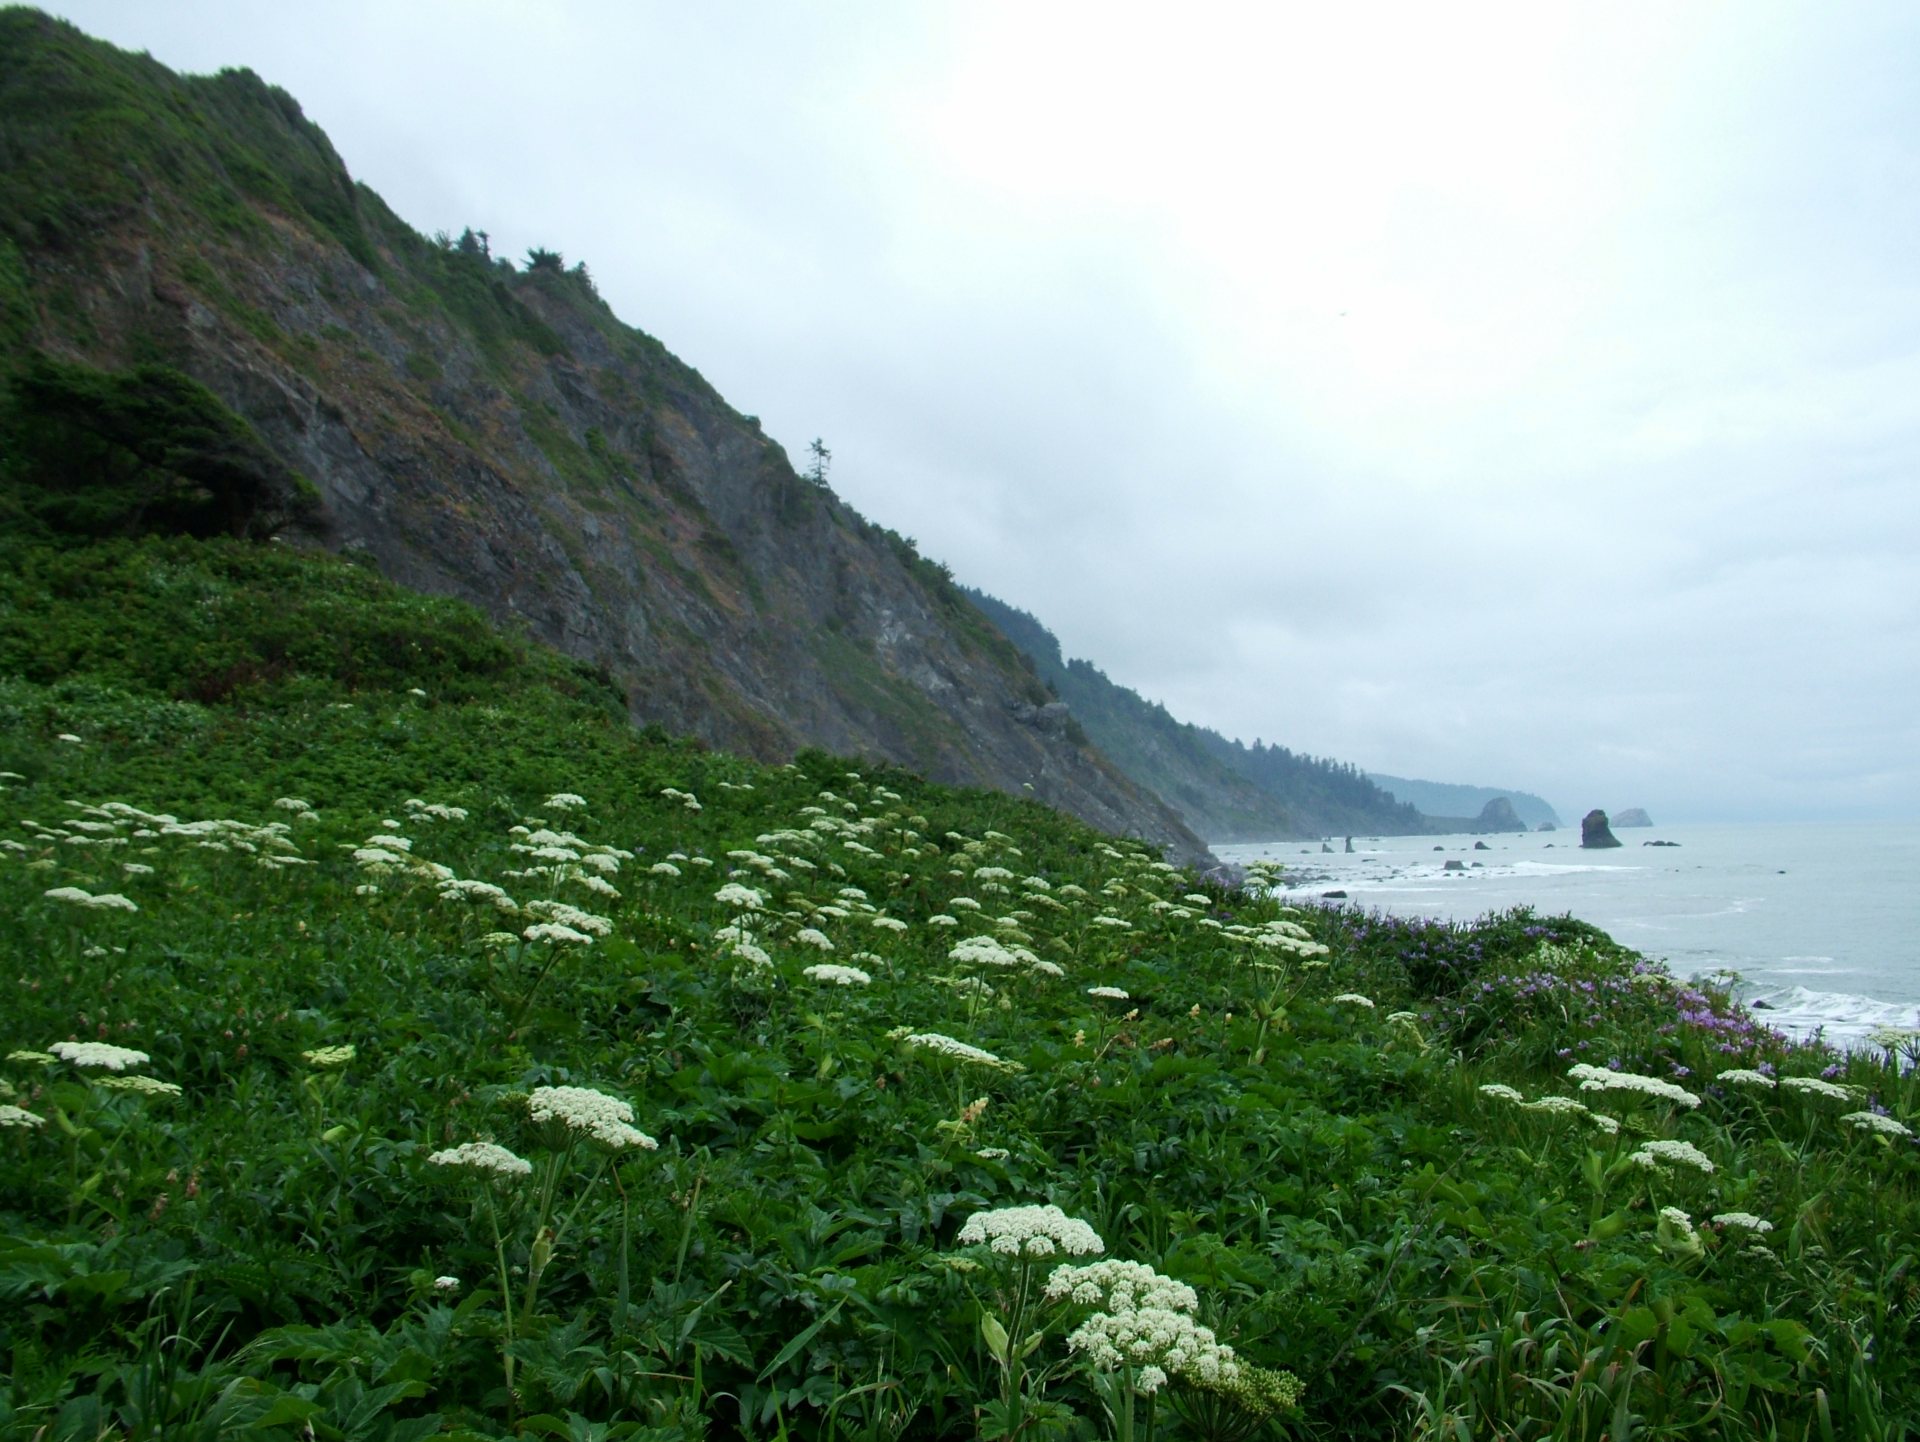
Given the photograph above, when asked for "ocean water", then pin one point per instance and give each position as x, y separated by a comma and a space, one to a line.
1820, 921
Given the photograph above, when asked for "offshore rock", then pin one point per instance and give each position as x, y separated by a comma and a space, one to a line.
1632, 816
1595, 835
1499, 815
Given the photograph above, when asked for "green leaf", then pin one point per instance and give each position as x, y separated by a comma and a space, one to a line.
793, 1348
995, 1336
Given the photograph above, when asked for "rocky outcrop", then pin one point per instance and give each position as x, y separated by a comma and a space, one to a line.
1594, 832
1499, 815
1632, 816
496, 434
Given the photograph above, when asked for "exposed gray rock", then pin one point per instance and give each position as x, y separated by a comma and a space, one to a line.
1594, 834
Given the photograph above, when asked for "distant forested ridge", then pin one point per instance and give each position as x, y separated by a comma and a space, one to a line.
1225, 790
1444, 798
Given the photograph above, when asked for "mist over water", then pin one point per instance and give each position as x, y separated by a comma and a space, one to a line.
1820, 920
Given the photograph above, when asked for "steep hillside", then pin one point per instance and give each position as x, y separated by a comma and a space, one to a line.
1224, 790
493, 433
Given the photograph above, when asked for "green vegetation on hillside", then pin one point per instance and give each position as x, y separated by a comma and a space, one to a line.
401, 1046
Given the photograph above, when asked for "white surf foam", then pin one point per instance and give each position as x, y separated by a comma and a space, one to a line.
1844, 1018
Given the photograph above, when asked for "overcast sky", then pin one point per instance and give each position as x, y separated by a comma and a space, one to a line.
1518, 395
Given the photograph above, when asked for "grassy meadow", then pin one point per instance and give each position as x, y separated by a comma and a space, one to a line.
398, 1045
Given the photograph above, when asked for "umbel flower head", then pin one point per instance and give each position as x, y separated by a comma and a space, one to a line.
605, 1119
483, 1157
99, 1054
1161, 1342
829, 974
1119, 1287
1043, 1231
1598, 1079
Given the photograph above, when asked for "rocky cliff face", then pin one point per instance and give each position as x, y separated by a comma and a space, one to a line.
496, 434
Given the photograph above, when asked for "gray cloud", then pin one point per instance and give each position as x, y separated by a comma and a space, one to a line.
1530, 396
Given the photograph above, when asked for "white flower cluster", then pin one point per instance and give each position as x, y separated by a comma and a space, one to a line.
1599, 1079
324, 1057
571, 916
105, 901
1874, 1122
933, 1041
1108, 993
144, 1085
1353, 998
1500, 1091
1745, 1220
13, 1116
814, 937
483, 1157
557, 932
1119, 1287
1666, 1153
833, 975
1031, 1232
1817, 1087
99, 1054
1160, 1342
1555, 1106
984, 951
607, 1120
744, 897
565, 801
1742, 1076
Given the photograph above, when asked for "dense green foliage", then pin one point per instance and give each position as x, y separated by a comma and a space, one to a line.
96, 453
88, 130
259, 806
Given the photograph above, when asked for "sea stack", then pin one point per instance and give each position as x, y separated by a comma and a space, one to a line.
1594, 832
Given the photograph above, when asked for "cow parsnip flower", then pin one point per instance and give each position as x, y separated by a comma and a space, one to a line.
1153, 1337
605, 1119
934, 1041
556, 932
1500, 1091
1118, 1286
483, 1157
1816, 1087
1746, 1221
1743, 1076
325, 1057
99, 1054
833, 975
1667, 1153
144, 1085
1031, 1232
13, 1116
1353, 998
1874, 1122
1599, 1078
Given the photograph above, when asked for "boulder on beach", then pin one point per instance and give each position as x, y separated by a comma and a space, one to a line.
1455, 866
1481, 846
1595, 833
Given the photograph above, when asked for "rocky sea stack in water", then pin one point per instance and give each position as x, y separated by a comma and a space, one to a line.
1594, 832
